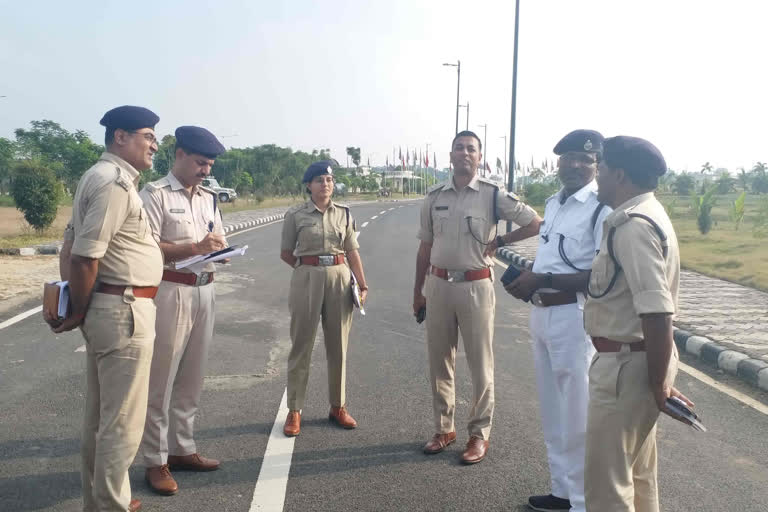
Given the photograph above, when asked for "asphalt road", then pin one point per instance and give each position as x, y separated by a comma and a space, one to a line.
379, 466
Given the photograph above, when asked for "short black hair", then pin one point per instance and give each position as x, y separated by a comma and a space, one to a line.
109, 136
467, 133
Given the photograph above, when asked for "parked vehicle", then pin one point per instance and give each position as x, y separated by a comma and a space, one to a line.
225, 194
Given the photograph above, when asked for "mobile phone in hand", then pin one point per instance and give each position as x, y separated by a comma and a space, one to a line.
421, 314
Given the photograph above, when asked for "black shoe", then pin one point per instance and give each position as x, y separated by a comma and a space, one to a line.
549, 503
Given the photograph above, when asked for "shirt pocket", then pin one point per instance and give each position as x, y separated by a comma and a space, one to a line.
178, 228
571, 245
310, 234
440, 219
475, 224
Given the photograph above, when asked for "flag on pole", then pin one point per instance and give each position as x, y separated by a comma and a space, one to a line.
427, 159
387, 160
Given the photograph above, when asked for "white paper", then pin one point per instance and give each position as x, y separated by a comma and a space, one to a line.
63, 297
356, 293
197, 263
679, 408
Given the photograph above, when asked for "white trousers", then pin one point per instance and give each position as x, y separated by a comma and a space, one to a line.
562, 353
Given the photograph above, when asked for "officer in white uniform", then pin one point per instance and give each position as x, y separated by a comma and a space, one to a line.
568, 240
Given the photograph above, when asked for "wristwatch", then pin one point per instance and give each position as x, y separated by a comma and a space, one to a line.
500, 241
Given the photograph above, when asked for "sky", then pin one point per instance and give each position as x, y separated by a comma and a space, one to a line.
690, 76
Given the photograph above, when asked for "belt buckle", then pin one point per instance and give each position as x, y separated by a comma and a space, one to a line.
536, 300
456, 276
325, 260
203, 279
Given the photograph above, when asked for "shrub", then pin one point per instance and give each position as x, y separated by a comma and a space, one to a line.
36, 191
537, 193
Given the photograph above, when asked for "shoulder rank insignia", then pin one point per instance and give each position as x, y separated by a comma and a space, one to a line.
121, 180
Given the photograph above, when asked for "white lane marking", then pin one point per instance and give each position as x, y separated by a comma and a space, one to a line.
81, 348
364, 224
255, 227
269, 493
374, 217
357, 233
382, 212
392, 208
20, 317
706, 379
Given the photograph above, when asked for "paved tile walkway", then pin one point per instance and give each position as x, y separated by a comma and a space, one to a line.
730, 314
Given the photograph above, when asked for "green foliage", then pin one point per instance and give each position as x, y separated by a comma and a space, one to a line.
760, 227
36, 191
68, 154
743, 179
163, 160
684, 185
537, 193
725, 183
736, 212
354, 154
703, 205
669, 207
759, 178
7, 150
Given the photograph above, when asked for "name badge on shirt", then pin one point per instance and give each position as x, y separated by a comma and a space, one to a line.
441, 207
177, 210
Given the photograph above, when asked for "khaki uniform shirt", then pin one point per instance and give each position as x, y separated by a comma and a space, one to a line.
109, 224
648, 282
453, 221
309, 232
179, 217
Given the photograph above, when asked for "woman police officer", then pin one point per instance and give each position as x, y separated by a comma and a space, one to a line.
318, 239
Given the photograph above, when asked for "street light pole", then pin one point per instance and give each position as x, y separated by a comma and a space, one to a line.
458, 88
485, 147
511, 182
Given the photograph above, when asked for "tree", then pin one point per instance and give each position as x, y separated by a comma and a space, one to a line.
163, 160
536, 175
706, 168
743, 179
68, 154
354, 154
725, 183
684, 185
704, 210
36, 192
7, 151
760, 178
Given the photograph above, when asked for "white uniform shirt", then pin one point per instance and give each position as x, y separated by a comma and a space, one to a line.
571, 220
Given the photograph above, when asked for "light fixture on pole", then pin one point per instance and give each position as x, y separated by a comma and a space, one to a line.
467, 107
458, 88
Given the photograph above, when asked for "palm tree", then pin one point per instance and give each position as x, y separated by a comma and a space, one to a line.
706, 168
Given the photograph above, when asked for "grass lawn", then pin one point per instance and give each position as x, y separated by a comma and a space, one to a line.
736, 256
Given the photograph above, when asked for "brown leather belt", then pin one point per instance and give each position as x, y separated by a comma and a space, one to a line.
144, 292
325, 260
606, 345
188, 278
545, 300
457, 276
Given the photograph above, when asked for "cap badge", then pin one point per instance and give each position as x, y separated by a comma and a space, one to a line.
330, 171
588, 145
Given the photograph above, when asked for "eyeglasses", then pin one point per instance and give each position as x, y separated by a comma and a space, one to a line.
149, 137
579, 159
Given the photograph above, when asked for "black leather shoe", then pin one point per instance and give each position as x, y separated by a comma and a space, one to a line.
549, 503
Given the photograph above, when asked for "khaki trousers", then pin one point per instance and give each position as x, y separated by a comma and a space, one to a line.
620, 465
119, 334
468, 307
317, 293
185, 319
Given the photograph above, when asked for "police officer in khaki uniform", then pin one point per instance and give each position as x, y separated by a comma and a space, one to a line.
569, 238
114, 266
632, 300
457, 233
185, 222
318, 239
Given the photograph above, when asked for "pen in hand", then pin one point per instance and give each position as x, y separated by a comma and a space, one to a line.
210, 226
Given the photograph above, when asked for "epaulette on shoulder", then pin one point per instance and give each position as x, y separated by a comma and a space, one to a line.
204, 189
341, 205
489, 182
158, 184
122, 180
436, 188
296, 207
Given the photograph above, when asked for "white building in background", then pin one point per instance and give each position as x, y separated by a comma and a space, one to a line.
396, 179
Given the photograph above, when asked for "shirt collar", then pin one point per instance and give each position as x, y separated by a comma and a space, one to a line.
312, 207
474, 184
580, 195
177, 185
130, 170
629, 204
